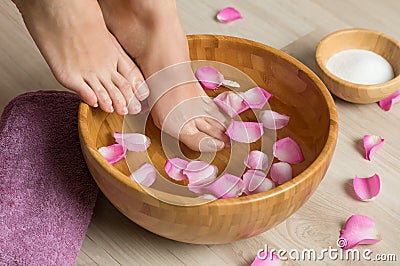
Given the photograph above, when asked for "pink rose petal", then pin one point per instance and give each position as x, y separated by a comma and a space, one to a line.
228, 14
273, 120
226, 186
230, 83
200, 174
367, 188
135, 142
267, 259
209, 77
174, 168
387, 103
371, 145
359, 229
113, 153
255, 181
207, 197
287, 150
145, 175
281, 172
232, 103
256, 97
245, 132
256, 160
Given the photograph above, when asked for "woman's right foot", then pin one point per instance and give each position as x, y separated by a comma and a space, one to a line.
151, 32
83, 55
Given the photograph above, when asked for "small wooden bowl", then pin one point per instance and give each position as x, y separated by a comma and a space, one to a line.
357, 38
297, 92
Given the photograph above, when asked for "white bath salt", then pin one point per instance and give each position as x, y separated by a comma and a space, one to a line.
360, 67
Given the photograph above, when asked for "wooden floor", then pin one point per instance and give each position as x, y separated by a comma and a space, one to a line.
294, 27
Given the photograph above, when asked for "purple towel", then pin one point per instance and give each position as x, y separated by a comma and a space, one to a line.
47, 194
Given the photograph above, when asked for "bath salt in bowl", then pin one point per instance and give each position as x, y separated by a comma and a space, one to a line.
297, 92
359, 65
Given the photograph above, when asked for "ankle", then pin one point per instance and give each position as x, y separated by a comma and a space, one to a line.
154, 10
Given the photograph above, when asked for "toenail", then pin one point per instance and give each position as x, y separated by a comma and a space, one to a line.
143, 92
95, 105
125, 111
210, 145
137, 107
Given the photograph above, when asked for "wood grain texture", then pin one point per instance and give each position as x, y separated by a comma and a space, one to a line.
296, 91
295, 27
356, 38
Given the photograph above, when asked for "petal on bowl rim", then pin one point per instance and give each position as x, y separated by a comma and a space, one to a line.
145, 175
135, 142
207, 197
273, 120
253, 179
232, 103
256, 160
209, 77
113, 153
287, 150
372, 144
258, 182
267, 258
266, 185
359, 229
174, 168
386, 104
367, 188
256, 97
281, 172
200, 174
228, 14
245, 132
226, 186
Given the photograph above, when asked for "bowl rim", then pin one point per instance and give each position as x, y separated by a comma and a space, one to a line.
328, 148
355, 86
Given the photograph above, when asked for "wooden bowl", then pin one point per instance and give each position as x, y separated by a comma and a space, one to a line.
297, 92
356, 38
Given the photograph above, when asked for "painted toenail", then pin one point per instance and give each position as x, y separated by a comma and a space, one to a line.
143, 92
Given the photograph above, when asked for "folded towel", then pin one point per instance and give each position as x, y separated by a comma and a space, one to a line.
47, 194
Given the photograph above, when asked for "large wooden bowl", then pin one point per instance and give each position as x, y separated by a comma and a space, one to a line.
297, 92
357, 38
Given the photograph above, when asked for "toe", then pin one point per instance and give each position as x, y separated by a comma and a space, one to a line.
118, 100
102, 96
124, 86
128, 69
134, 106
212, 128
87, 95
197, 140
84, 91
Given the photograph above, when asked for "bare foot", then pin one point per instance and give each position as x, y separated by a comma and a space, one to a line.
151, 32
82, 54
